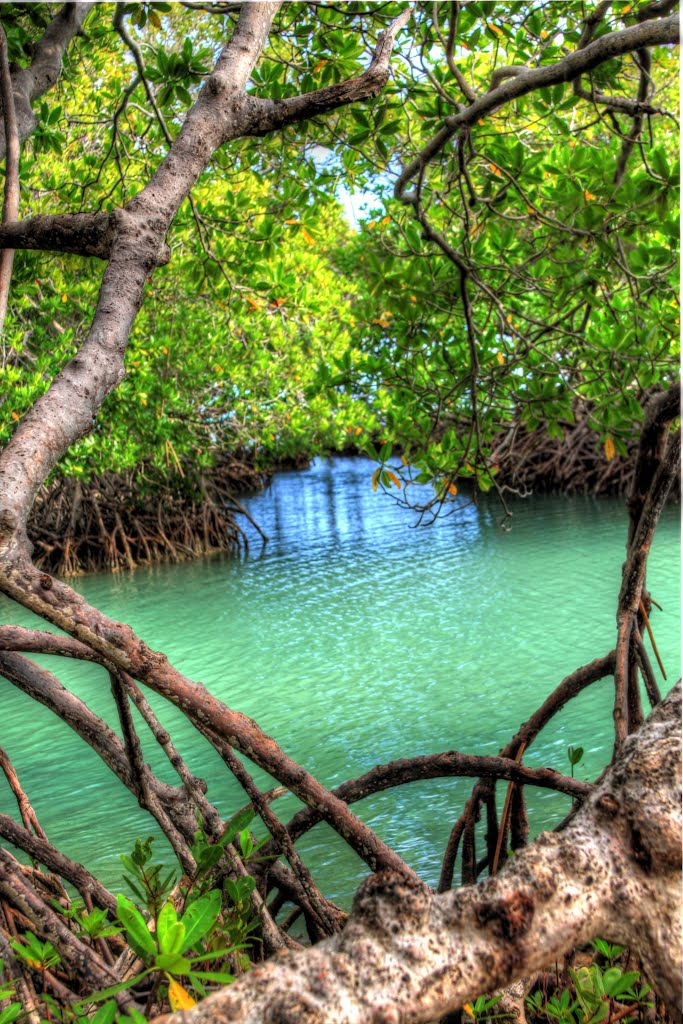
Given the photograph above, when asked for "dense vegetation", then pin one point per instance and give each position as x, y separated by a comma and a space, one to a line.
188, 307
523, 280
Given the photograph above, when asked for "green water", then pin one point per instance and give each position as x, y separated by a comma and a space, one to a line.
354, 638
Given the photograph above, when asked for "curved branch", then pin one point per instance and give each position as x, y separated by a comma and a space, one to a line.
268, 115
614, 44
408, 955
450, 764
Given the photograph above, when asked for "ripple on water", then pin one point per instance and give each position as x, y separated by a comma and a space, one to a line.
355, 639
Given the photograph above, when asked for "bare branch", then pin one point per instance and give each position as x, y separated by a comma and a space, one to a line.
268, 115
84, 234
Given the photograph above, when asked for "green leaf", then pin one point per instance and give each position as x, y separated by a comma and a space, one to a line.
200, 917
220, 976
236, 824
138, 933
113, 990
105, 1014
172, 962
170, 931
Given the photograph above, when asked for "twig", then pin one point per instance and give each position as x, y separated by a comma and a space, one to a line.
504, 816
652, 638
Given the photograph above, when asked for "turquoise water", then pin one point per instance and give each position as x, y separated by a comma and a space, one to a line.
355, 638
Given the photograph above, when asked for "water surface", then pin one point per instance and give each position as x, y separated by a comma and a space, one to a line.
355, 638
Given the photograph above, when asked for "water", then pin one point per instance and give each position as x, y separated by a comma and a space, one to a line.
354, 638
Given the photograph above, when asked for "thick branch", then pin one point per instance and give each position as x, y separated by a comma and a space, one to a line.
409, 956
40, 641
269, 115
28, 84
85, 234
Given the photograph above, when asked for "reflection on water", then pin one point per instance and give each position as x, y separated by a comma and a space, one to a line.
355, 638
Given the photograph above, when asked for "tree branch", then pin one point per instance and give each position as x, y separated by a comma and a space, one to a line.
10, 206
636, 37
269, 115
84, 234
407, 955
28, 84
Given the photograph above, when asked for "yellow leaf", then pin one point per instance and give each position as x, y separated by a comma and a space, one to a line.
375, 479
494, 28
381, 323
588, 196
453, 490
509, 318
394, 479
468, 1010
501, 358
496, 170
386, 220
544, 34
179, 997
15, 416
64, 297
307, 238
164, 350
404, 460
627, 8
530, 209
610, 450
321, 64
359, 431
372, 224
481, 121
252, 302
292, 220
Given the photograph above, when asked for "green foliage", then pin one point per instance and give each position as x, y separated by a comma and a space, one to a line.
40, 955
480, 1009
594, 992
150, 883
574, 755
8, 992
188, 940
278, 331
